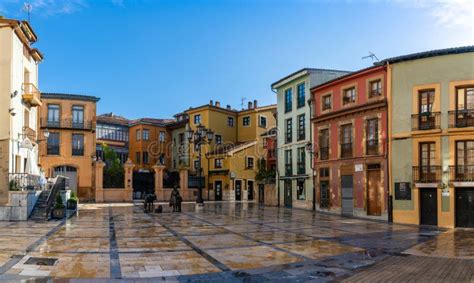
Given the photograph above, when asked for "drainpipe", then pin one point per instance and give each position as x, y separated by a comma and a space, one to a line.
388, 135
311, 154
277, 179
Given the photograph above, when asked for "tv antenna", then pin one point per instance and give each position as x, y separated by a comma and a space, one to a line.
27, 7
372, 56
242, 100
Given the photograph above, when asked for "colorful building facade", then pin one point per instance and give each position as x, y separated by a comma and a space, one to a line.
295, 175
350, 138
431, 116
112, 130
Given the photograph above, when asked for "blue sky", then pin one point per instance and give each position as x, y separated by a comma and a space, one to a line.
156, 58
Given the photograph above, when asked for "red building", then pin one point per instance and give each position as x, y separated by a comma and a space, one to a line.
270, 145
350, 132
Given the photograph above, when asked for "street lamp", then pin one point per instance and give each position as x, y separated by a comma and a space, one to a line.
198, 137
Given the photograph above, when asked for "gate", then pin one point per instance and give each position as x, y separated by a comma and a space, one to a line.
143, 183
347, 195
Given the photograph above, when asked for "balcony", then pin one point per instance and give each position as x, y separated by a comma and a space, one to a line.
461, 118
346, 150
425, 121
29, 133
24, 181
375, 93
427, 174
288, 170
31, 95
68, 123
372, 147
461, 173
324, 153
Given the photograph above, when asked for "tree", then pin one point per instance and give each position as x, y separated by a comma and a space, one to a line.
113, 171
263, 174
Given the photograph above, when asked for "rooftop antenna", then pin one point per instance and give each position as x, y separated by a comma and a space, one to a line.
372, 56
27, 7
242, 100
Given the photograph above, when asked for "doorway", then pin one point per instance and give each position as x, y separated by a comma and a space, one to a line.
238, 190
288, 194
374, 190
249, 190
465, 207
347, 188
261, 193
218, 190
428, 206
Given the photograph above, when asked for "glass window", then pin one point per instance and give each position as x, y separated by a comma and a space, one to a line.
197, 119
77, 144
324, 144
373, 129
162, 136
218, 163
426, 101
218, 139
196, 164
465, 153
146, 134
300, 190
288, 163
349, 96
249, 162
375, 88
138, 157
230, 121
301, 127
301, 161
246, 121
53, 115
288, 131
181, 138
288, 100
77, 116
53, 144
327, 102
262, 121
145, 157
301, 95
137, 135
465, 98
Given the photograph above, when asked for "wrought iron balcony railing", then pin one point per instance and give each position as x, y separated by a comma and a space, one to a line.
288, 169
68, 123
346, 150
426, 121
461, 118
324, 153
301, 168
372, 147
427, 174
461, 173
24, 181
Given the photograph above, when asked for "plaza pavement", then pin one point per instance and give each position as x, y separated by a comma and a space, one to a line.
231, 242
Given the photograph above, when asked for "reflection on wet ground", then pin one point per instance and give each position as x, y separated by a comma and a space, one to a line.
224, 241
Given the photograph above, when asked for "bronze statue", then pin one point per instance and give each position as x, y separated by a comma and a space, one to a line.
175, 200
149, 202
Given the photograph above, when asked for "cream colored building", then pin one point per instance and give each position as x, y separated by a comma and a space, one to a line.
19, 102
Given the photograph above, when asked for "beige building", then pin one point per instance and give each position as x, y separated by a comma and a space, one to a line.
19, 102
70, 149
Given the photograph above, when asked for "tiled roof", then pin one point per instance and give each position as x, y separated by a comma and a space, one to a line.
427, 54
152, 121
111, 118
310, 70
54, 95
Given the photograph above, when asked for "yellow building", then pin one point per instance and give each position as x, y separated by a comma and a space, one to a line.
230, 161
70, 148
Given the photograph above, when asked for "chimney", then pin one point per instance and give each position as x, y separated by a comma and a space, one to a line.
250, 105
228, 107
211, 102
218, 104
255, 103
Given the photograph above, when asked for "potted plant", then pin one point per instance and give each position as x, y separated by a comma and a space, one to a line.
72, 201
14, 186
59, 210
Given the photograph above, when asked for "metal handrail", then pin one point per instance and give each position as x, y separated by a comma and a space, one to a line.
60, 183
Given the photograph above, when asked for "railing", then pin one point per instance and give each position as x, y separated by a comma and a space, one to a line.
324, 153
24, 181
288, 169
461, 118
31, 94
78, 151
425, 121
59, 184
346, 150
461, 173
374, 93
68, 123
301, 168
29, 133
427, 174
372, 147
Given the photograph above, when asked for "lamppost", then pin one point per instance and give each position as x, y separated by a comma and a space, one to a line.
313, 152
199, 137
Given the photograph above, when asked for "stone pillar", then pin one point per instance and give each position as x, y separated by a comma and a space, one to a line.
160, 193
128, 167
99, 181
183, 185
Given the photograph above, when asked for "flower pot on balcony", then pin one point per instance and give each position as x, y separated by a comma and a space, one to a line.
58, 213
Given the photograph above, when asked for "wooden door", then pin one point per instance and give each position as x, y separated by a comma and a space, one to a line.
374, 193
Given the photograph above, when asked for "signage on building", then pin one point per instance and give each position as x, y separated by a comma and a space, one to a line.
403, 191
359, 167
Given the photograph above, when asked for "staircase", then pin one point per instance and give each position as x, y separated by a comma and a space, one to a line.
39, 212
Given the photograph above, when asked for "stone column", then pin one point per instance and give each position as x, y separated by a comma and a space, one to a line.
183, 184
99, 181
128, 167
160, 193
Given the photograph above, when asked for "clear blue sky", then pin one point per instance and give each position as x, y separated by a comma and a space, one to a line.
156, 58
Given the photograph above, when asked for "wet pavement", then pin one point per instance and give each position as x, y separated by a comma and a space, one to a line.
231, 242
